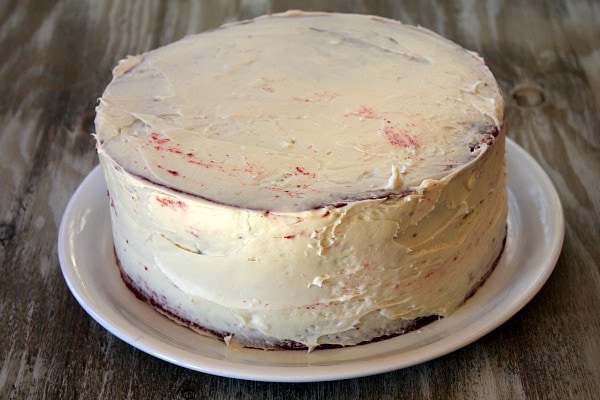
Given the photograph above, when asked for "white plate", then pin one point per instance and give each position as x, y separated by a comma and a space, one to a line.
535, 236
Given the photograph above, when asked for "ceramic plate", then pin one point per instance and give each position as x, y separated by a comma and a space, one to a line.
535, 236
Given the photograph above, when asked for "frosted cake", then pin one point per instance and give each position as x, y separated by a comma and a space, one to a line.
305, 180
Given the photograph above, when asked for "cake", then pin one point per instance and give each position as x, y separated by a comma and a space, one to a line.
305, 180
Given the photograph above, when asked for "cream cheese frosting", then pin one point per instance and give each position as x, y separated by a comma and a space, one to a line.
305, 178
289, 113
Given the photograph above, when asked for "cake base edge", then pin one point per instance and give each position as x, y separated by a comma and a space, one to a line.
276, 344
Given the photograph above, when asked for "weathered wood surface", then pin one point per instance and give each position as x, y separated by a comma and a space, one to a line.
56, 57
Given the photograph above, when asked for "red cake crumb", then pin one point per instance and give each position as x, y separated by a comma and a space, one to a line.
171, 203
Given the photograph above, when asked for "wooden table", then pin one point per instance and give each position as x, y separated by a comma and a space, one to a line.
57, 57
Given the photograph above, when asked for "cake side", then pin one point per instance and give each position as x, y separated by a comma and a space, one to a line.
317, 277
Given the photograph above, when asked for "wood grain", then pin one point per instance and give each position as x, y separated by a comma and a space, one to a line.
57, 57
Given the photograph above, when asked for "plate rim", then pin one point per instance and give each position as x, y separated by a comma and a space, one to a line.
313, 373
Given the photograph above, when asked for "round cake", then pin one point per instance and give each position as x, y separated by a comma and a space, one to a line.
305, 180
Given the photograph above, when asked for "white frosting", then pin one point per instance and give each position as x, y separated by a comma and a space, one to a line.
294, 113
302, 175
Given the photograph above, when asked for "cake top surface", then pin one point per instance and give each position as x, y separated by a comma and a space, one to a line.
296, 111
